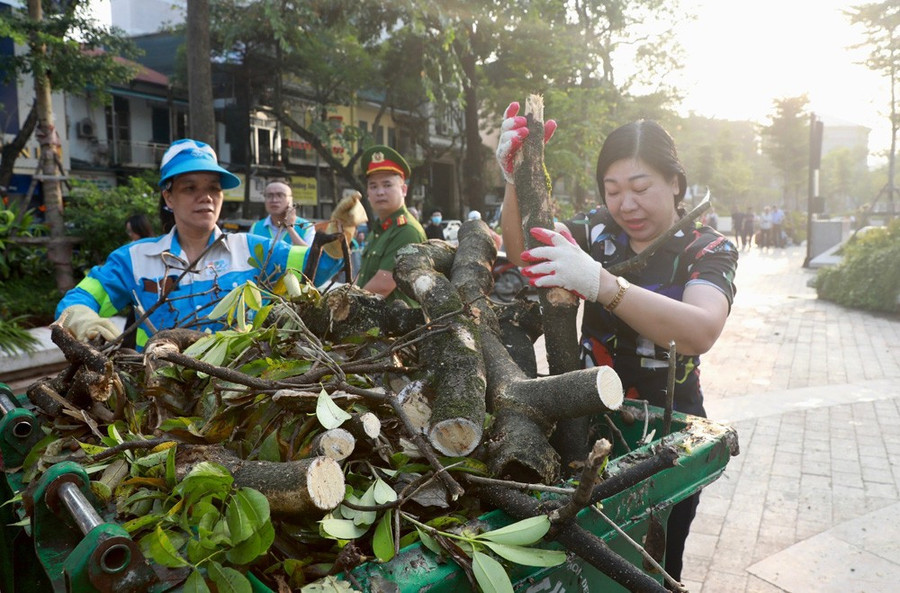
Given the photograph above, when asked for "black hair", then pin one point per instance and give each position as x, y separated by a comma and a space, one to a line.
645, 140
140, 225
166, 216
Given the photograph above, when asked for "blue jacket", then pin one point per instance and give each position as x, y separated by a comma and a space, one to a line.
265, 228
143, 271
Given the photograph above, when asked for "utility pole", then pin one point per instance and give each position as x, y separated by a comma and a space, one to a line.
50, 171
814, 203
200, 110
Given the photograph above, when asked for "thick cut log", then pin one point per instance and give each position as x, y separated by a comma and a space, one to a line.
306, 488
560, 307
452, 358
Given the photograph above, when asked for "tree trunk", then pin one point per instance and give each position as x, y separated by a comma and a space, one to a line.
560, 307
59, 251
10, 151
201, 113
453, 357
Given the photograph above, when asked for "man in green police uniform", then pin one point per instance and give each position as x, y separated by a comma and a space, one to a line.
386, 174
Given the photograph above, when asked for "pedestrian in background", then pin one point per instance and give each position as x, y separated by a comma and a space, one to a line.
138, 226
737, 223
434, 229
683, 294
282, 220
748, 227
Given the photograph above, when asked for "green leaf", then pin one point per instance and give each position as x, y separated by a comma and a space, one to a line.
197, 349
170, 467
254, 546
428, 541
270, 450
216, 355
328, 413
247, 511
342, 528
160, 548
383, 540
528, 556
490, 574
383, 492
205, 478
520, 533
228, 580
139, 523
101, 491
195, 583
252, 296
226, 303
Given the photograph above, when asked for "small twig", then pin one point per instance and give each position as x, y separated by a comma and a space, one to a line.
126, 446
518, 485
670, 391
620, 438
640, 260
677, 586
218, 372
590, 475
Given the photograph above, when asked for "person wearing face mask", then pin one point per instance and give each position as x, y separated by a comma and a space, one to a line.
434, 230
282, 220
683, 294
192, 266
386, 173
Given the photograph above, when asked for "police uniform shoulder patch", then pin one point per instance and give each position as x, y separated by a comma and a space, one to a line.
401, 220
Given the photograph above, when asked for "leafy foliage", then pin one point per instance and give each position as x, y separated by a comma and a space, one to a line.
868, 277
97, 216
27, 291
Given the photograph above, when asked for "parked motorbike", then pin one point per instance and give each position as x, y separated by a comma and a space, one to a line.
509, 282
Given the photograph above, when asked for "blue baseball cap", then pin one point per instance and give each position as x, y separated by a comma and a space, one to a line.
189, 156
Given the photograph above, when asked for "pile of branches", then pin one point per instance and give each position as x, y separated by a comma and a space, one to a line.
332, 429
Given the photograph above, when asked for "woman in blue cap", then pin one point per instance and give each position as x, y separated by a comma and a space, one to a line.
192, 266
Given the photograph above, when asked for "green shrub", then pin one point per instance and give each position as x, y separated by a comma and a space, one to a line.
98, 217
15, 339
28, 293
868, 276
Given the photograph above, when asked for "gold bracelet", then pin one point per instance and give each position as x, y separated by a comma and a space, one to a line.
624, 285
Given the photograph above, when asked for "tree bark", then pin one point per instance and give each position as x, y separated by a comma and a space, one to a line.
452, 358
201, 113
306, 488
560, 307
59, 251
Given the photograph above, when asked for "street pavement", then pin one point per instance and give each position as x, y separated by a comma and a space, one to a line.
811, 503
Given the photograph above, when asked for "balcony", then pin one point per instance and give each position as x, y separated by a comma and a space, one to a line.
132, 153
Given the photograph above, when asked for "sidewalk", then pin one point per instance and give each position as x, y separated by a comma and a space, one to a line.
811, 503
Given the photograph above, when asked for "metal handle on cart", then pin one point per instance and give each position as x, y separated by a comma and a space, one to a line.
115, 557
22, 427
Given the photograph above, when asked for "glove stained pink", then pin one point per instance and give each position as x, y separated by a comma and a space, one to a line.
563, 264
513, 132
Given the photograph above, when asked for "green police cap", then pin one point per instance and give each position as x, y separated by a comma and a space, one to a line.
384, 158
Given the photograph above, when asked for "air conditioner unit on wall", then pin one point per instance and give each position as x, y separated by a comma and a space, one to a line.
85, 129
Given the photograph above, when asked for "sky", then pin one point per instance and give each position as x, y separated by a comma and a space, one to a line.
741, 55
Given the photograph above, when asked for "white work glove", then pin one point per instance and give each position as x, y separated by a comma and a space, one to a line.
513, 132
86, 324
347, 215
562, 264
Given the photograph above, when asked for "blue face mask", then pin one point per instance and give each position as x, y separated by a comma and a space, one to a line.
436, 220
